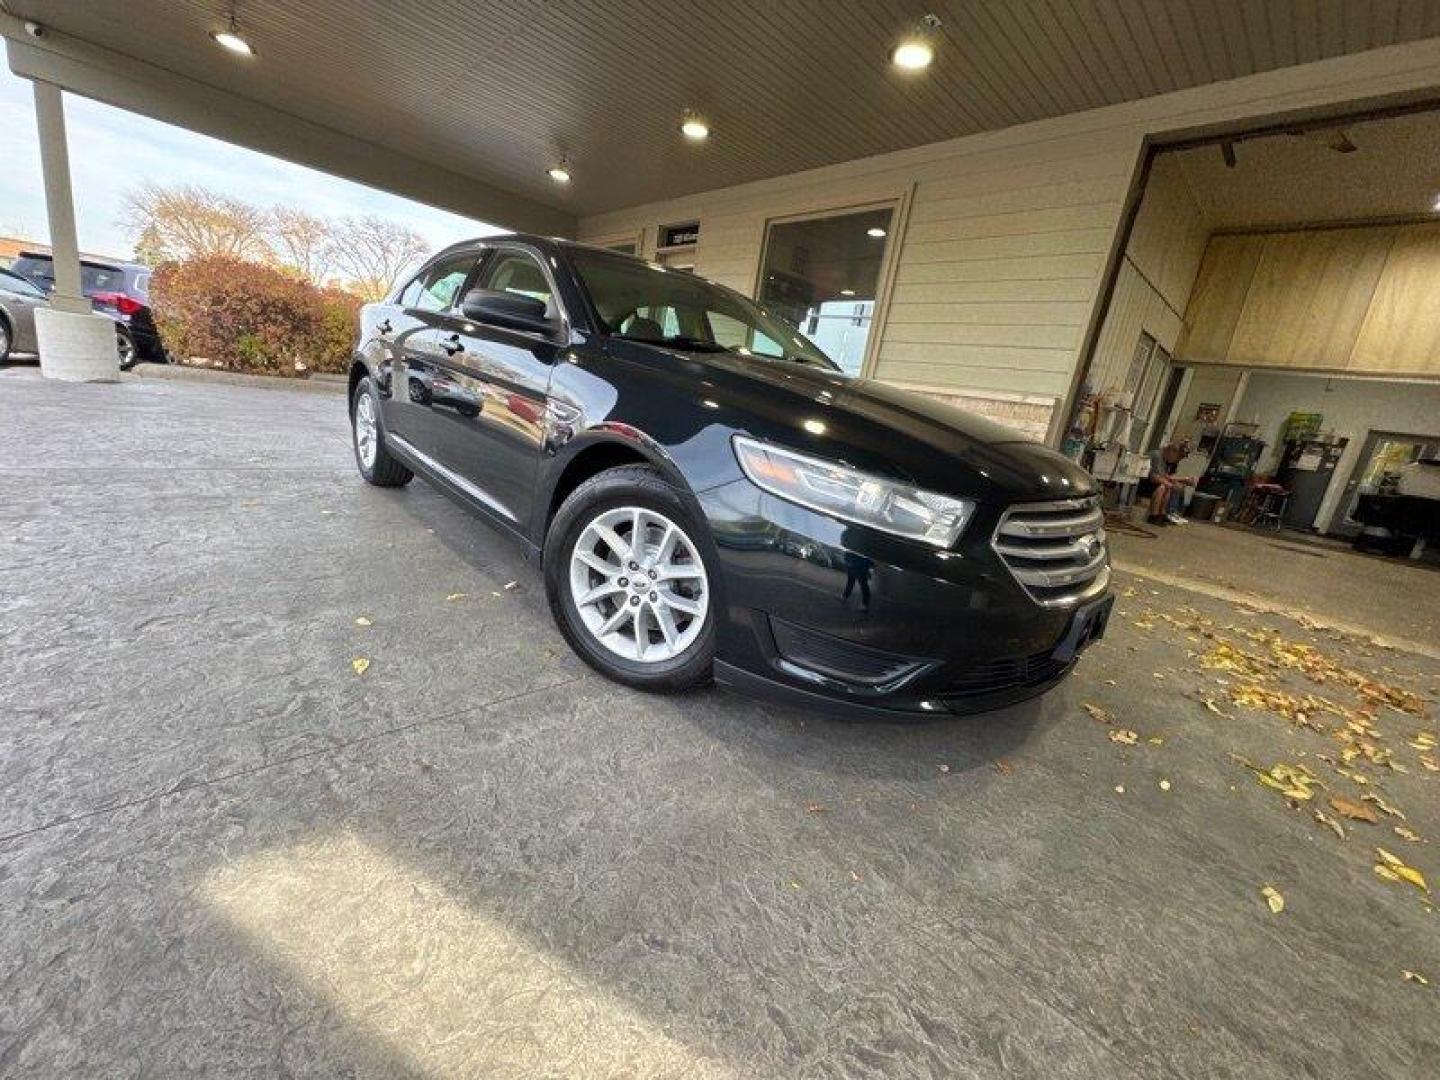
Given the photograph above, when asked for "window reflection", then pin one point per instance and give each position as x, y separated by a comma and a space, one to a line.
822, 276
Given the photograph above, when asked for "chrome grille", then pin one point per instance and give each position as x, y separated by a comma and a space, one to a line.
1056, 550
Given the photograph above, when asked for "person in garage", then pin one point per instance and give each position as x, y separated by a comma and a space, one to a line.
1165, 488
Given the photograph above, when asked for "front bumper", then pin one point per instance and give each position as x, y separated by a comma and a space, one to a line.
846, 619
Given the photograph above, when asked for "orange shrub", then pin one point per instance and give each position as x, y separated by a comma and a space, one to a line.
246, 316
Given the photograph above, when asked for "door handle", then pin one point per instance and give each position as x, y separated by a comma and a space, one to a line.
384, 328
453, 345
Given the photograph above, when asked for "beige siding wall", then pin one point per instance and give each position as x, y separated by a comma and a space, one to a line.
1000, 261
1155, 277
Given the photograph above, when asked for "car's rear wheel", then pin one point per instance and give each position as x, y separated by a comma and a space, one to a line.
125, 348
4, 340
368, 438
628, 581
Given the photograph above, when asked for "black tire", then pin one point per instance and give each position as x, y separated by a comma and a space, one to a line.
628, 485
6, 339
385, 471
125, 346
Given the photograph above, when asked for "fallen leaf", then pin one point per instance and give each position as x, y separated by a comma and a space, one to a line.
1123, 736
1097, 713
360, 665
814, 808
1353, 810
1164, 785
455, 596
363, 621
1330, 823
1119, 789
1383, 805
1273, 898
1397, 867
1406, 833
1155, 740
1415, 977
856, 877
509, 584
1003, 767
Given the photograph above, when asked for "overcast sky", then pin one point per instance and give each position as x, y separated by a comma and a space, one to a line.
112, 150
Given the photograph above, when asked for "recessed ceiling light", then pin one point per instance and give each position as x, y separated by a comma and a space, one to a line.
694, 129
916, 51
876, 232
847, 292
230, 38
913, 55
559, 172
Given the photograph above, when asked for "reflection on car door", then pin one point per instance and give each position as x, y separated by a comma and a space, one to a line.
487, 425
412, 323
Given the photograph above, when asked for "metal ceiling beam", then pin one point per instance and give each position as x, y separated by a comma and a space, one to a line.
97, 72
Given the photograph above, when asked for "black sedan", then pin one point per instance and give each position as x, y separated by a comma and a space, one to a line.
710, 497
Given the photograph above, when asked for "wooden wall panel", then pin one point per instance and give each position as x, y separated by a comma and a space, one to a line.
1308, 297
1401, 331
1347, 299
1219, 297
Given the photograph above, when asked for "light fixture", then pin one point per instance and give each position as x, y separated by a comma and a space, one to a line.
694, 128
876, 232
1435, 206
847, 292
559, 172
916, 51
230, 38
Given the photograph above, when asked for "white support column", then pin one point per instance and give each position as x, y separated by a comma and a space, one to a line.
75, 343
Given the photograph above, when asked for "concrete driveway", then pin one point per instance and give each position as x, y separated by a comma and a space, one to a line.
223, 852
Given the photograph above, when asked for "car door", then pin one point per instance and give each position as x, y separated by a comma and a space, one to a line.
19, 299
408, 327
487, 404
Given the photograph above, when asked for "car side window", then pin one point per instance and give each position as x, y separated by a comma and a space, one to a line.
16, 284
440, 285
516, 272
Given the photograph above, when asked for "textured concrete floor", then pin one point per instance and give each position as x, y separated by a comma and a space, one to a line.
223, 853
1391, 597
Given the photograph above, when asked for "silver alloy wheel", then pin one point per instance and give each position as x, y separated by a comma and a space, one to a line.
125, 347
639, 584
366, 433
4, 338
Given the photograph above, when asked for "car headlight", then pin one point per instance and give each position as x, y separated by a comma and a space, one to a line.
844, 493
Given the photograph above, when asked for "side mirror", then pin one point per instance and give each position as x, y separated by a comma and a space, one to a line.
513, 310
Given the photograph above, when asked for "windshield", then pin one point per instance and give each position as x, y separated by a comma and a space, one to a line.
641, 302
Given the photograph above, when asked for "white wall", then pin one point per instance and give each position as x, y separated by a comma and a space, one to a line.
1001, 259
1350, 407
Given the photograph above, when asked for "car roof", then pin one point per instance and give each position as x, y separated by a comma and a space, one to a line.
549, 244
90, 260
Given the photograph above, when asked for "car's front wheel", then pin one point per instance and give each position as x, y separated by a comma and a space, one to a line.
376, 464
628, 582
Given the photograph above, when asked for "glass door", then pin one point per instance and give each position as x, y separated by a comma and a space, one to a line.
823, 276
1382, 457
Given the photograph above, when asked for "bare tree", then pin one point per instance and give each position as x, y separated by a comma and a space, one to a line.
302, 241
188, 221
372, 251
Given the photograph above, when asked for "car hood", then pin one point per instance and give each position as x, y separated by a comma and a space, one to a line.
891, 432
